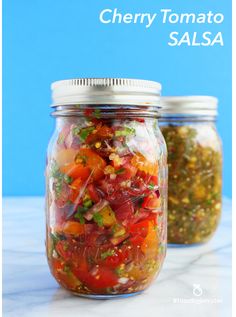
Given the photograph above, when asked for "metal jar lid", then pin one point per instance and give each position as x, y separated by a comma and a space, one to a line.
105, 91
189, 105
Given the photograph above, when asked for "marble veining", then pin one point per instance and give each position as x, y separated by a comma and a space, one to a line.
194, 281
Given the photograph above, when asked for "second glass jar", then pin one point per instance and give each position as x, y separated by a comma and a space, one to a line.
194, 166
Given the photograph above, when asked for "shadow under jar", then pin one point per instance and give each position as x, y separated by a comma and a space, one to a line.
106, 187
194, 168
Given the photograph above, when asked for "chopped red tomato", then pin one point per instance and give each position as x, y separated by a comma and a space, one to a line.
140, 228
153, 180
124, 210
93, 193
75, 188
151, 201
126, 172
57, 264
115, 258
62, 248
101, 133
97, 278
138, 232
136, 240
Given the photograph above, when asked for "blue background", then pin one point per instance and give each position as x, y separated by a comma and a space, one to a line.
44, 41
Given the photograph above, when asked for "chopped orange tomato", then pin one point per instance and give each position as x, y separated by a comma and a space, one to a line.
150, 243
136, 273
108, 216
76, 170
92, 160
141, 163
76, 184
73, 227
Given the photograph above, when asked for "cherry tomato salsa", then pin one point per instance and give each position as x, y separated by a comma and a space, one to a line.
105, 208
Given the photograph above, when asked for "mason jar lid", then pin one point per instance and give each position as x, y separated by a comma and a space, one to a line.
189, 105
105, 91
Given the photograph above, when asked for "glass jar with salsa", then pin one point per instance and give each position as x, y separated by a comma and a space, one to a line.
106, 180
194, 168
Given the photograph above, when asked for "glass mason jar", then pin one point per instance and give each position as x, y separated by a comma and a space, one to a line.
106, 179
194, 168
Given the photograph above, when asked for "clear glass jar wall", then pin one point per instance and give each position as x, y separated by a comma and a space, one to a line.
194, 168
106, 199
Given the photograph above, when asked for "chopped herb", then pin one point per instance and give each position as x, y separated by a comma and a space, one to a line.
107, 253
125, 132
119, 271
151, 186
155, 227
55, 238
87, 203
82, 209
59, 177
79, 214
68, 179
120, 171
55, 171
98, 219
66, 269
75, 131
84, 133
80, 217
97, 113
58, 187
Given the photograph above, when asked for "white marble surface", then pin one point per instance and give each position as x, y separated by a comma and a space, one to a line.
30, 290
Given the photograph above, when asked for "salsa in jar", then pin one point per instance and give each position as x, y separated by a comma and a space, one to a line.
106, 187
194, 168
